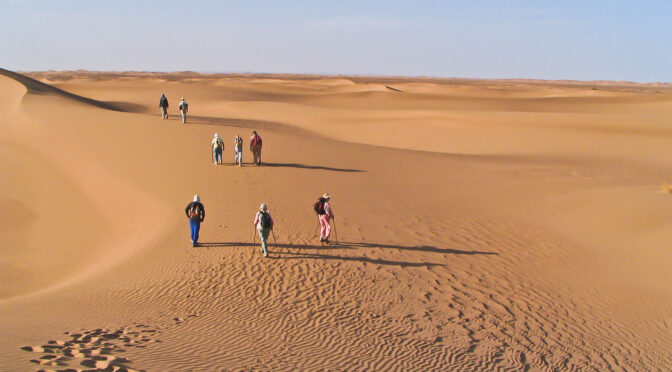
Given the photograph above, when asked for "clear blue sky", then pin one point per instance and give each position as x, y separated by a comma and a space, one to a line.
572, 39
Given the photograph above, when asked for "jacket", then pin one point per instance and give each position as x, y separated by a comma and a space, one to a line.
199, 209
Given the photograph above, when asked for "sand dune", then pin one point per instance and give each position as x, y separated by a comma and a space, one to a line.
481, 224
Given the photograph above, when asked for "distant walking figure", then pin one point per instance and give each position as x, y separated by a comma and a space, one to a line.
238, 150
263, 222
163, 103
184, 107
196, 214
324, 214
255, 147
217, 149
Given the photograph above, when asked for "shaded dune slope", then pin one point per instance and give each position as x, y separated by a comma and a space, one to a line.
36, 87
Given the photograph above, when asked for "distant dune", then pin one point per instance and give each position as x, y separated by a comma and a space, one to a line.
480, 224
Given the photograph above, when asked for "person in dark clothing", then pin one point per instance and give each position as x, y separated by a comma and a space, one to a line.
163, 103
196, 214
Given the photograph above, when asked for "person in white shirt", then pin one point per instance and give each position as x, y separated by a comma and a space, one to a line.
184, 107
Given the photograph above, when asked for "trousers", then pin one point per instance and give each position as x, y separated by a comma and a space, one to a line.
238, 157
195, 226
217, 154
256, 154
263, 236
325, 227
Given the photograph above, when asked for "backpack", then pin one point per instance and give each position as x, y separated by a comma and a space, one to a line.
219, 143
183, 105
193, 214
256, 140
264, 220
163, 102
319, 206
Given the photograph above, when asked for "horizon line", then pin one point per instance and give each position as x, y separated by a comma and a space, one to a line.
353, 75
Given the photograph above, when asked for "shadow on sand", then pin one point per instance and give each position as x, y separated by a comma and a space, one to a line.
305, 166
283, 251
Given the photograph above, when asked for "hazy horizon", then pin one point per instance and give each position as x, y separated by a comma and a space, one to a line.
574, 40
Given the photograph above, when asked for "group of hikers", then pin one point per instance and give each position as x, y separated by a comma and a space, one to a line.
263, 222
217, 143
255, 147
183, 107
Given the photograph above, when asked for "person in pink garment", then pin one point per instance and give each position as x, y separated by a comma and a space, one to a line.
325, 215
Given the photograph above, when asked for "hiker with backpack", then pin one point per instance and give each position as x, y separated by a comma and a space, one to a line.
263, 222
196, 214
163, 103
238, 150
184, 107
324, 215
217, 149
255, 147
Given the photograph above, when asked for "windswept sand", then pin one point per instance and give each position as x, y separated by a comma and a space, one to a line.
481, 224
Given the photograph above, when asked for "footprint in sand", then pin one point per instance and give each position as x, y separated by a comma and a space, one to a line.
96, 348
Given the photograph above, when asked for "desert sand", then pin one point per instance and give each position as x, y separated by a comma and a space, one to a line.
481, 224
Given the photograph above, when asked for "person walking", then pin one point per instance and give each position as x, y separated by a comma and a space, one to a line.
263, 222
184, 107
163, 103
324, 215
217, 149
238, 150
255, 147
196, 214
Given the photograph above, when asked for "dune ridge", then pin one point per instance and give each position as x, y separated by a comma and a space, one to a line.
36, 87
514, 239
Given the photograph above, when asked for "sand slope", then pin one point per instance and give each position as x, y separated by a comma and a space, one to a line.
482, 225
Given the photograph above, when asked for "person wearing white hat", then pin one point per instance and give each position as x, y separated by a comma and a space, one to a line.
184, 107
217, 149
263, 222
196, 213
324, 215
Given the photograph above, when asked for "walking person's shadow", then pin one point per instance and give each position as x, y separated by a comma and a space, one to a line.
313, 251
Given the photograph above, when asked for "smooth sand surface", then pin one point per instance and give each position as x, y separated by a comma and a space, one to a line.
481, 224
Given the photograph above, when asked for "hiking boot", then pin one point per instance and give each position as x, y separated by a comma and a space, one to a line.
265, 254
326, 241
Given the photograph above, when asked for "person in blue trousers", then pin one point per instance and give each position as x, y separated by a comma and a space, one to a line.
196, 214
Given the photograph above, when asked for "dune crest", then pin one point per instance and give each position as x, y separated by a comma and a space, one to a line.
36, 87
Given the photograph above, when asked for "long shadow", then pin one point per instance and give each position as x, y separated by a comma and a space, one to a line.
352, 245
376, 261
321, 252
423, 248
304, 166
270, 244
